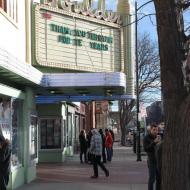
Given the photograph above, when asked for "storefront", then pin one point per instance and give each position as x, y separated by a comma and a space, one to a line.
82, 56
18, 124
58, 131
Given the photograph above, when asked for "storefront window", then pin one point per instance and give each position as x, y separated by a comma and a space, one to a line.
5, 117
33, 132
9, 126
3, 5
50, 133
70, 129
16, 132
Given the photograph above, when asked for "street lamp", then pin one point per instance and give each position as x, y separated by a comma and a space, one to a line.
138, 137
137, 89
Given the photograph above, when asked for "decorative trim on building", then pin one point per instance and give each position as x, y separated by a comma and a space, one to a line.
9, 91
18, 68
85, 79
73, 7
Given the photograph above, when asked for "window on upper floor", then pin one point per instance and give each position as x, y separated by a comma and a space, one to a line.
10, 7
3, 5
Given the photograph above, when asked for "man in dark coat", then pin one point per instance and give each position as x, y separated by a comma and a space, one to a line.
103, 145
150, 141
159, 164
83, 146
5, 157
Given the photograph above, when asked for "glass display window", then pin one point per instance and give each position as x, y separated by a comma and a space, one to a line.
50, 133
16, 132
33, 137
5, 117
10, 114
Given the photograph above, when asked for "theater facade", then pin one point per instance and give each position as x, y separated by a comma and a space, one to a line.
54, 53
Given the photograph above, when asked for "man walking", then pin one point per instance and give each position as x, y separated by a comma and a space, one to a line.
96, 150
150, 141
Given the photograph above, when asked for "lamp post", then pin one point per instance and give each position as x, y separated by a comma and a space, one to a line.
137, 89
138, 137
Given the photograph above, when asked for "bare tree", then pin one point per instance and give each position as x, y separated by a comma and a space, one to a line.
149, 68
125, 112
174, 50
149, 80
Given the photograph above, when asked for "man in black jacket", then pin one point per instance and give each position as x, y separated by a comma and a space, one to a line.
83, 146
150, 141
5, 157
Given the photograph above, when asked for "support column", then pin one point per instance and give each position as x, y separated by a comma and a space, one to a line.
28, 108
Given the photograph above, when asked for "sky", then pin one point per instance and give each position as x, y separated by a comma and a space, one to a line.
147, 24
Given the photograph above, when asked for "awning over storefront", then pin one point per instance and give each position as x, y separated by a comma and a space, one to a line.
56, 99
85, 83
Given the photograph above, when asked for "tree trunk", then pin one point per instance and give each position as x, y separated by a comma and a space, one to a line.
125, 108
122, 113
176, 148
123, 136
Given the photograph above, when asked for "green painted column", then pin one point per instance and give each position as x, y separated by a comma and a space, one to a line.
28, 109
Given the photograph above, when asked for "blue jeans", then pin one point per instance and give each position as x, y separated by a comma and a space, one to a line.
152, 174
109, 154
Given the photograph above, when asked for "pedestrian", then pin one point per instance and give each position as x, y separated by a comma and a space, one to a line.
158, 152
150, 141
5, 157
89, 155
103, 145
96, 150
113, 139
108, 145
83, 146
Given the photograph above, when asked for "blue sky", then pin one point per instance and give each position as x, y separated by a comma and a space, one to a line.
146, 24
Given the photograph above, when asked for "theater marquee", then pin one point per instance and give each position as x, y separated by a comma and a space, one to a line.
76, 42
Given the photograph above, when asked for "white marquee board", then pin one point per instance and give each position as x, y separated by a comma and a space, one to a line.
76, 42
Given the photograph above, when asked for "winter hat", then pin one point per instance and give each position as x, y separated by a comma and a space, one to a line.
94, 131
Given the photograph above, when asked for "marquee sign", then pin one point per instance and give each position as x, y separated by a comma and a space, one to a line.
76, 42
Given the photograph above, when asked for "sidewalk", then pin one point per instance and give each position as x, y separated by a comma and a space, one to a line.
125, 174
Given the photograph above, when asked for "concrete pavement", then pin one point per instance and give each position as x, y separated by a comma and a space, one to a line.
125, 174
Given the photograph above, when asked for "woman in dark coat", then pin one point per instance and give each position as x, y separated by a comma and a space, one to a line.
5, 157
